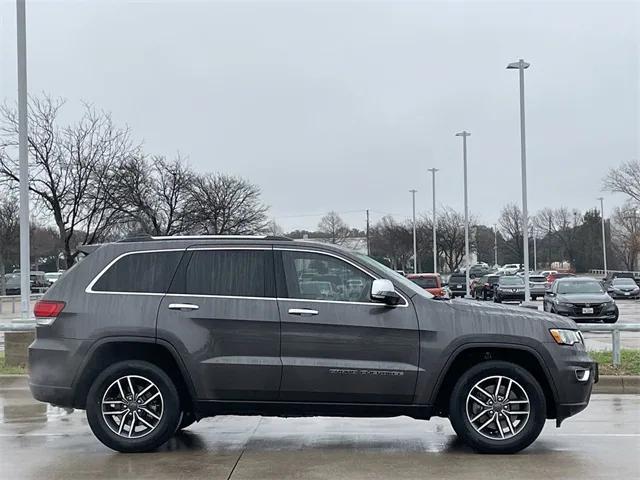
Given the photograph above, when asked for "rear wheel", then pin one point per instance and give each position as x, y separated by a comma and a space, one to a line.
133, 406
497, 407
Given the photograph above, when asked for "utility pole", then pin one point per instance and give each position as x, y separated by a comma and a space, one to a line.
368, 247
23, 156
433, 221
604, 239
464, 134
415, 244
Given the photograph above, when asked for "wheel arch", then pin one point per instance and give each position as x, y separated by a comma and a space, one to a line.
469, 355
114, 349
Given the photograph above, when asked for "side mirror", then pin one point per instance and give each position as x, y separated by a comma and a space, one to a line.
382, 290
550, 293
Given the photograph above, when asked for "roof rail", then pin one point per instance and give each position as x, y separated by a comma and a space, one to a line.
149, 238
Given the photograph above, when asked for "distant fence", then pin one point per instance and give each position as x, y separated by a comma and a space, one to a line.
594, 271
11, 303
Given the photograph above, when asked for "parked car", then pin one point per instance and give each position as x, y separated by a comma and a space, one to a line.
582, 299
431, 282
537, 286
511, 268
52, 277
509, 288
151, 335
484, 287
554, 276
613, 275
478, 270
623, 288
37, 283
457, 285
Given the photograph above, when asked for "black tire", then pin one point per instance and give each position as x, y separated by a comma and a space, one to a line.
461, 422
187, 419
169, 416
485, 297
497, 299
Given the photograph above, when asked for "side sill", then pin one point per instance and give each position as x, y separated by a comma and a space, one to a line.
210, 408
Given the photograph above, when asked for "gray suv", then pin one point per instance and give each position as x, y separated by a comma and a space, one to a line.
151, 334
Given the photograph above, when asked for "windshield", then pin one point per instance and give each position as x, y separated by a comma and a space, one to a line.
576, 286
392, 275
624, 281
517, 281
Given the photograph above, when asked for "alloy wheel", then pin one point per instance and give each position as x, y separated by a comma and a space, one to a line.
132, 406
498, 407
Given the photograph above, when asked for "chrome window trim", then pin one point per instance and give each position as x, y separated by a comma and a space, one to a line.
331, 254
90, 289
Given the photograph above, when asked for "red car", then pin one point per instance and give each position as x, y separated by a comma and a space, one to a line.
552, 277
431, 282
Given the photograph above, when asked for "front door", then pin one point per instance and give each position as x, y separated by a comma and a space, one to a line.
337, 344
222, 316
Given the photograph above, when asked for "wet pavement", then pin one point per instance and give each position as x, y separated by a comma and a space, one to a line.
41, 442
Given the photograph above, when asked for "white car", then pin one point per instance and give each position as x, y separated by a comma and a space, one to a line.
511, 268
52, 277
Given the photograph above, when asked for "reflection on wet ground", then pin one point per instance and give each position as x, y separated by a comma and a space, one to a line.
40, 442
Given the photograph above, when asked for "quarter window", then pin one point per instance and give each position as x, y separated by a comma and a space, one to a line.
315, 276
143, 272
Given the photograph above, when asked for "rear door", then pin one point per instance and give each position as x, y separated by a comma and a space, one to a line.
222, 316
338, 345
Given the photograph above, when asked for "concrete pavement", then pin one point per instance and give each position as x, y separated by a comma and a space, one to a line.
42, 442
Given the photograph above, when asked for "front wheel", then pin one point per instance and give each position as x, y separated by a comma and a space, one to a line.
497, 407
133, 406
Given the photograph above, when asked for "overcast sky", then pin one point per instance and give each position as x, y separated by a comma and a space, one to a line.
345, 105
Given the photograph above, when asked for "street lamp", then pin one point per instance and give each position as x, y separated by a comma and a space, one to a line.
415, 244
433, 185
464, 134
604, 240
25, 262
521, 65
495, 245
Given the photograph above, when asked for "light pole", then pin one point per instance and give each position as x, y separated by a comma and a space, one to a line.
604, 239
25, 259
415, 244
433, 221
535, 250
521, 65
495, 245
464, 134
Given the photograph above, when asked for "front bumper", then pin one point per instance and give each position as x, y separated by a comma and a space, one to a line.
621, 294
574, 377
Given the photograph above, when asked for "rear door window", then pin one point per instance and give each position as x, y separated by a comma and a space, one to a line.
140, 272
232, 272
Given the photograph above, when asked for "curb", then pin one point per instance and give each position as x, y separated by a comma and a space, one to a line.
623, 384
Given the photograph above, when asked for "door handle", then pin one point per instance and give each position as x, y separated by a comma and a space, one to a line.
302, 311
183, 306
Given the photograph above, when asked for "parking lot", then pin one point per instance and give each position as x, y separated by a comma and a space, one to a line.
40, 442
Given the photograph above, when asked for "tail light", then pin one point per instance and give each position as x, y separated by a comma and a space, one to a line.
46, 311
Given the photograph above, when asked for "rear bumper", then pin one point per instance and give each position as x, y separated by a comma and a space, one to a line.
59, 396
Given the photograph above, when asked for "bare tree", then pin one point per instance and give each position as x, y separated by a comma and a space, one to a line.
334, 228
561, 224
9, 234
392, 241
625, 179
625, 234
70, 167
510, 222
224, 205
450, 237
274, 228
152, 194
